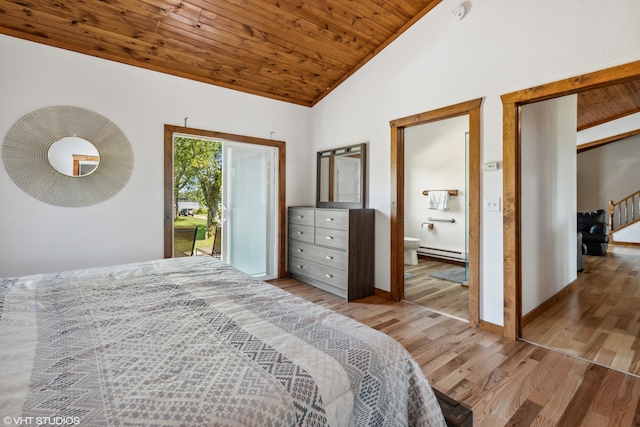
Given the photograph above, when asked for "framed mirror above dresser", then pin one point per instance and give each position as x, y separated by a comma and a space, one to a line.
331, 246
341, 177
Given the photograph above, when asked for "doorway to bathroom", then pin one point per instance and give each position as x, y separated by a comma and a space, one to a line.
470, 187
435, 216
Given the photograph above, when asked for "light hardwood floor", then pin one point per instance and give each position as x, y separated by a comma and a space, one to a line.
504, 382
439, 295
600, 321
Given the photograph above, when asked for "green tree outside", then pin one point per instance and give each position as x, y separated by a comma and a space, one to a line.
197, 165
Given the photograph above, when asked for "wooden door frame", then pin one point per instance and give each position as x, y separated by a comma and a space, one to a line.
472, 109
512, 104
170, 130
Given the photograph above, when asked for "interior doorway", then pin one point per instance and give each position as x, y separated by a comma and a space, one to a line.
512, 152
472, 109
595, 316
436, 216
243, 154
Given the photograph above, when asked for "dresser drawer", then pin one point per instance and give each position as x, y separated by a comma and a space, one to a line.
331, 218
325, 256
322, 273
330, 237
301, 216
303, 233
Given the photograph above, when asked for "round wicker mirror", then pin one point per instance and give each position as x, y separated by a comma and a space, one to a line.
26, 148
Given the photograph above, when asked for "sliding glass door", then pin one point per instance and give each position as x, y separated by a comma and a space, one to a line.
249, 202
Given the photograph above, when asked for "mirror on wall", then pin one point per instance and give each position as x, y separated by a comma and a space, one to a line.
341, 175
67, 156
74, 156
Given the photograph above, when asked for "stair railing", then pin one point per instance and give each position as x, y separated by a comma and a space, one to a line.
624, 212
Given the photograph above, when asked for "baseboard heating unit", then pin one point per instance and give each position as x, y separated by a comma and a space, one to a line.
442, 254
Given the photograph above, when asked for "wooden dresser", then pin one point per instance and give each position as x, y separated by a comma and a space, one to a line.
333, 249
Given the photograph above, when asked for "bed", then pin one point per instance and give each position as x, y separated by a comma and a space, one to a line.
194, 341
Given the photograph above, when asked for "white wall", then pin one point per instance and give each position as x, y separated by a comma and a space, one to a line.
609, 172
628, 234
501, 46
548, 185
435, 160
36, 237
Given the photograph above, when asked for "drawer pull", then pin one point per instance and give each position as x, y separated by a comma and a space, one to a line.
299, 266
300, 232
329, 257
330, 276
299, 250
329, 219
300, 217
329, 237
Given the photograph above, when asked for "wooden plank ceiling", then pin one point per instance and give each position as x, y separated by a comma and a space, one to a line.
291, 50
601, 105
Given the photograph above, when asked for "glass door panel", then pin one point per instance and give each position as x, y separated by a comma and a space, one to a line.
249, 202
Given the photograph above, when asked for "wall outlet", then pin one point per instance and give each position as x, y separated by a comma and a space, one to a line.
492, 204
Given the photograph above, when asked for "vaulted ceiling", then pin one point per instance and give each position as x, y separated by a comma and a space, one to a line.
291, 50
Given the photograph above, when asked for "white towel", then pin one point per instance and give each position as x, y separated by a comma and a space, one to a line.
439, 200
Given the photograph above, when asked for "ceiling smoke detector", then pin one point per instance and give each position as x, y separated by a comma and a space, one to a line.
457, 13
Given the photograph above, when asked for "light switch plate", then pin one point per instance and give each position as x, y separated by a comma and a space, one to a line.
492, 204
490, 166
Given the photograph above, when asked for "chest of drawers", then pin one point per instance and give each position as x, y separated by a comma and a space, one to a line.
333, 249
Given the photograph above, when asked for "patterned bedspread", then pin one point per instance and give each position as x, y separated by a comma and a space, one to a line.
193, 341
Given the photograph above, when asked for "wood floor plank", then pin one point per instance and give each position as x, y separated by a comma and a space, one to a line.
519, 370
551, 372
622, 359
593, 419
512, 403
554, 409
541, 421
577, 408
607, 393
525, 414
624, 410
